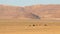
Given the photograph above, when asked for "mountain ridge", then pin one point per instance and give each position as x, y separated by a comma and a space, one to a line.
18, 12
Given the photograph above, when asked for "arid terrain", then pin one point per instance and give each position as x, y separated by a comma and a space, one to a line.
29, 27
50, 12
35, 19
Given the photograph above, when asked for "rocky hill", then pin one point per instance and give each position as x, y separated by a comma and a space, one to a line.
30, 12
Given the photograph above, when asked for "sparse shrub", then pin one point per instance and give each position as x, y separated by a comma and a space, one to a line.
45, 25
33, 24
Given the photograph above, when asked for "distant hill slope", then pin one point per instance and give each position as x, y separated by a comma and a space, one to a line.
30, 12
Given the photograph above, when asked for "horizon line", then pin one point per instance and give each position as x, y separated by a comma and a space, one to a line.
28, 5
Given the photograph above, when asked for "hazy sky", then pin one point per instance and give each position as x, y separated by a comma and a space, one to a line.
28, 2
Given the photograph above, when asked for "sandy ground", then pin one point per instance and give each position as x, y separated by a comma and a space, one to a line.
24, 28
29, 30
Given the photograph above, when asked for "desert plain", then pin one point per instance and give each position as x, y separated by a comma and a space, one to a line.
29, 27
